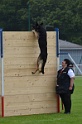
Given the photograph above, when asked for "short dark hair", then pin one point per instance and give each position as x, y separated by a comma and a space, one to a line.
67, 61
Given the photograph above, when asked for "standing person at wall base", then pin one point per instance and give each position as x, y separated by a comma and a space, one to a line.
65, 84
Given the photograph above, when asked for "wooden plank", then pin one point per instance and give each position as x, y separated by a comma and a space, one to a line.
26, 52
26, 49
31, 111
30, 90
21, 50
30, 81
30, 105
26, 66
8, 35
29, 98
25, 35
26, 55
24, 61
32, 65
27, 72
26, 43
51, 35
20, 43
18, 55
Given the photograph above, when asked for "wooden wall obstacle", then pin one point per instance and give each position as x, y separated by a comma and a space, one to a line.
23, 92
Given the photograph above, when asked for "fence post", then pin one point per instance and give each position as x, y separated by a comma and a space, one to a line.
57, 46
2, 75
57, 54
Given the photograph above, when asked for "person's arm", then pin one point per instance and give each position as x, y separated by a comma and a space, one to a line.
72, 77
71, 83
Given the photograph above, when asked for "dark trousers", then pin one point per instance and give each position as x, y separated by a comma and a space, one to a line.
66, 100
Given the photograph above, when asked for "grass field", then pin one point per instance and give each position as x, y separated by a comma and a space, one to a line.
74, 118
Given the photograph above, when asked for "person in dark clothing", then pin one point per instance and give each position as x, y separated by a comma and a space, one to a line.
65, 84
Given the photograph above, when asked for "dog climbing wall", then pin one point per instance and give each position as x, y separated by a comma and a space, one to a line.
25, 93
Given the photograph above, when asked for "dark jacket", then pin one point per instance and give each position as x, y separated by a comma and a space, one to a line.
63, 81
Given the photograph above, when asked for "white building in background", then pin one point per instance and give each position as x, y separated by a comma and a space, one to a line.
75, 52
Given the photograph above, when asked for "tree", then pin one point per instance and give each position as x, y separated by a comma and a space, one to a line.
64, 14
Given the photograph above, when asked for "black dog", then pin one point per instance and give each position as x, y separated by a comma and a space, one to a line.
42, 41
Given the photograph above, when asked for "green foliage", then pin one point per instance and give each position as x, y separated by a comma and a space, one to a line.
64, 14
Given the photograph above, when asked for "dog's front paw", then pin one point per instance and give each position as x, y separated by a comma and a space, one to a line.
33, 31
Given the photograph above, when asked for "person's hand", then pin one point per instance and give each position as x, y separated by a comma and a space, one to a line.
70, 88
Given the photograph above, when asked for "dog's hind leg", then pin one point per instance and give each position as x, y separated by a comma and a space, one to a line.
35, 71
38, 62
37, 68
42, 69
43, 65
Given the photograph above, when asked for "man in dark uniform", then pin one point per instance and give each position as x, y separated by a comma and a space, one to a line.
65, 84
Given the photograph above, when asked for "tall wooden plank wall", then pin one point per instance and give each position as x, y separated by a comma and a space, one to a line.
24, 93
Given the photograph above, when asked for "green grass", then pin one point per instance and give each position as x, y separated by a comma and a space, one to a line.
74, 118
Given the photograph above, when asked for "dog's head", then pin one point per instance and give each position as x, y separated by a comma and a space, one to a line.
37, 26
